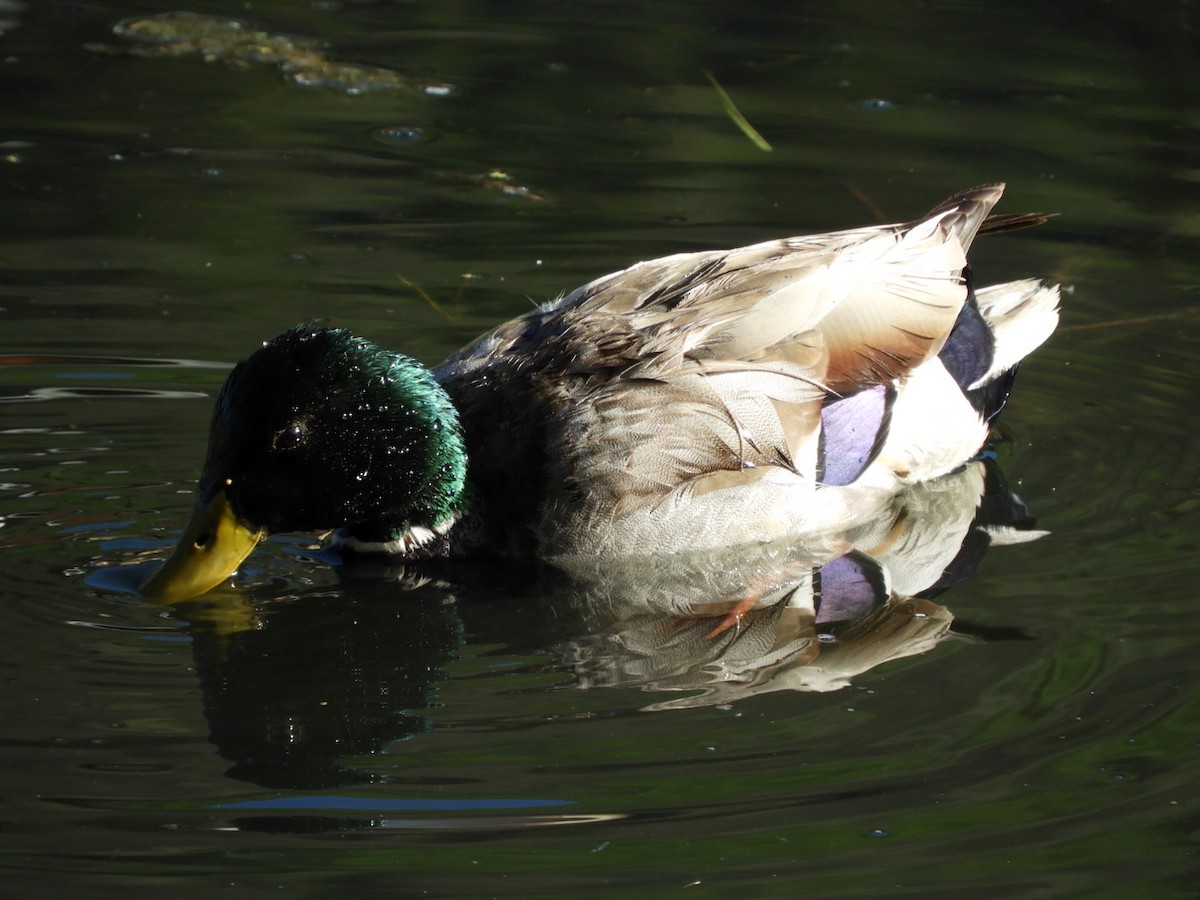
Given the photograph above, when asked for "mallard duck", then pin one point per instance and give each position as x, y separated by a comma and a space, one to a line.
774, 392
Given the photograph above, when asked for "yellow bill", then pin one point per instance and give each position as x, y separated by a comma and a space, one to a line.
211, 548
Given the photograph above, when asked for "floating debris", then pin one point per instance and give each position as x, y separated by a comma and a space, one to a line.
735, 114
303, 60
870, 205
433, 304
495, 180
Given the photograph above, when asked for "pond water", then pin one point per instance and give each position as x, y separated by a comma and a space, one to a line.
313, 729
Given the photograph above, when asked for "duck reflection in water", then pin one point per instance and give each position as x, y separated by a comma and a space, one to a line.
294, 690
864, 601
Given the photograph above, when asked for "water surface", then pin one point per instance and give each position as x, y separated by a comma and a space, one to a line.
312, 729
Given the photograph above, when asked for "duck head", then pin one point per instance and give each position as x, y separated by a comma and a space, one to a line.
318, 429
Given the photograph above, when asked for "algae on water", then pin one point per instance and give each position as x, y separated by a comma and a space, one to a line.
304, 61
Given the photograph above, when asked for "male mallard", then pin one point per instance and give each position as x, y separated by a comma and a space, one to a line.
773, 392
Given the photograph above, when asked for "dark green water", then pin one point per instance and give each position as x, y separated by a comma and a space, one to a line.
316, 732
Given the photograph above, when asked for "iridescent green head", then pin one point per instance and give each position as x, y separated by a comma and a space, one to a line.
322, 429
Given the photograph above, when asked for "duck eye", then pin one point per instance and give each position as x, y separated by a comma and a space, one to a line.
289, 437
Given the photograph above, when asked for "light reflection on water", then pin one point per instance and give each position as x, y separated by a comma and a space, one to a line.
1048, 747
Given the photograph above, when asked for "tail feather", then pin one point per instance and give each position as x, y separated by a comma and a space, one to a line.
1021, 316
1012, 221
997, 328
966, 213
